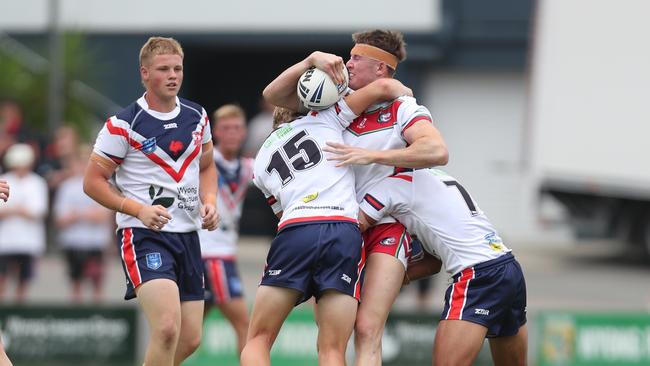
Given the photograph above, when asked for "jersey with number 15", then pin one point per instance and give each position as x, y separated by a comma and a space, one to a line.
295, 175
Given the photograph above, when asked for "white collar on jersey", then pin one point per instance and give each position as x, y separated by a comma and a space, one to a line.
160, 115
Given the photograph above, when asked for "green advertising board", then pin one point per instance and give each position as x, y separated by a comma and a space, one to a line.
295, 345
407, 341
69, 335
594, 339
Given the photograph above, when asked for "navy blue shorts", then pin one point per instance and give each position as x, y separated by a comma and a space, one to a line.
315, 257
492, 294
147, 255
222, 282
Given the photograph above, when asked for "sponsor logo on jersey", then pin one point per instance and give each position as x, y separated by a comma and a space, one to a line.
274, 272
346, 278
167, 126
176, 147
481, 311
388, 241
495, 242
384, 117
310, 197
165, 202
154, 260
197, 137
149, 145
362, 124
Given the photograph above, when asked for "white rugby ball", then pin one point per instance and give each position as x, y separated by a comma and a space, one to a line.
318, 91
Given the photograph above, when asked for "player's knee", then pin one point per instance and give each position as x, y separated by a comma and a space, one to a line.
191, 344
367, 330
167, 331
330, 355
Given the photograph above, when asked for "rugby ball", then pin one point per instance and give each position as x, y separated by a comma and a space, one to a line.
318, 91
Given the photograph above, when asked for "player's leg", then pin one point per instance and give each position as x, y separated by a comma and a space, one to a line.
512, 350
191, 330
457, 342
271, 308
387, 248
224, 290
237, 314
336, 312
382, 283
161, 304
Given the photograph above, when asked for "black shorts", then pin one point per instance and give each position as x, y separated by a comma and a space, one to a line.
23, 264
81, 261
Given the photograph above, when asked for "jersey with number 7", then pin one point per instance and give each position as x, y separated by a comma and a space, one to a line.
438, 209
295, 175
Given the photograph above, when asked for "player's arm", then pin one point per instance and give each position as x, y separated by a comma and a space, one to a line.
378, 90
96, 186
208, 188
425, 267
365, 221
282, 92
425, 148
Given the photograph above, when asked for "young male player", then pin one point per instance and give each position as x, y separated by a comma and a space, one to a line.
219, 247
488, 295
383, 139
160, 150
318, 248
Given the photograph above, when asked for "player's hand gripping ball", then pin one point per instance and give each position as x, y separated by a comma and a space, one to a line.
318, 91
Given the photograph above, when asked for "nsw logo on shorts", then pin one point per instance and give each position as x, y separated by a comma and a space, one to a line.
388, 241
154, 260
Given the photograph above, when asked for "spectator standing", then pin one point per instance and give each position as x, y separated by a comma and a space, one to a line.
83, 230
22, 219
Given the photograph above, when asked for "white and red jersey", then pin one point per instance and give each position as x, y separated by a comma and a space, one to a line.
381, 127
158, 156
234, 178
296, 177
445, 218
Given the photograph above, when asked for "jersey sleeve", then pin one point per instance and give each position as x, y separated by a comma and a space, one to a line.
113, 140
410, 112
207, 131
270, 199
341, 113
385, 198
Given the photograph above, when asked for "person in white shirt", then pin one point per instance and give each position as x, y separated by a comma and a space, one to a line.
223, 285
487, 297
318, 249
22, 219
84, 229
160, 150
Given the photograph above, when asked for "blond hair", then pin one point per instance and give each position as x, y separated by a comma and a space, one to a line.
228, 111
284, 115
159, 46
